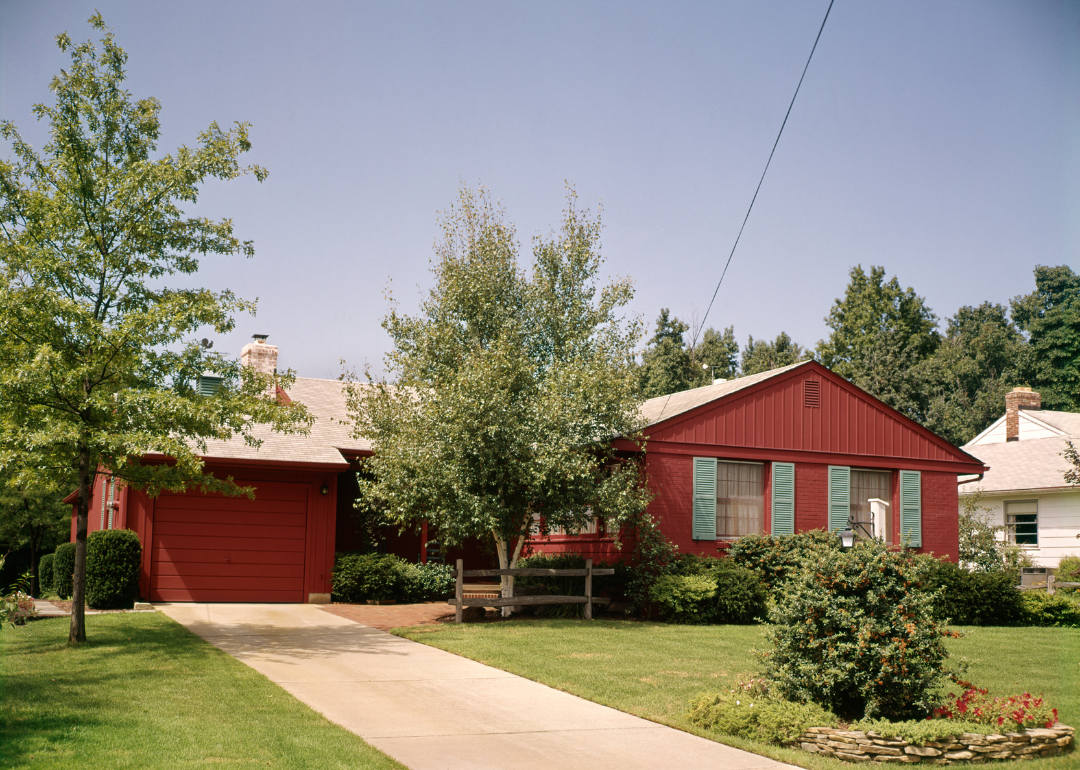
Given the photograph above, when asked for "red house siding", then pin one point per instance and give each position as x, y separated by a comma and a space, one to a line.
771, 421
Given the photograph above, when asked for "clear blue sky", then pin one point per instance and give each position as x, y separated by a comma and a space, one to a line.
939, 139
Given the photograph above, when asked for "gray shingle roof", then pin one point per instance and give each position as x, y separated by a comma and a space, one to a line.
325, 399
662, 408
1027, 464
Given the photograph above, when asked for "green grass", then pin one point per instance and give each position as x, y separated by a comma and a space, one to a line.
145, 692
653, 670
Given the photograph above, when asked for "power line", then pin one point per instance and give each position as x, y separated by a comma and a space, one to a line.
751, 208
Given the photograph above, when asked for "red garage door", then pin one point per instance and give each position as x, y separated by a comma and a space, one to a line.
210, 548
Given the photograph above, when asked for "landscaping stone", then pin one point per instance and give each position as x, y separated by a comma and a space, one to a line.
857, 746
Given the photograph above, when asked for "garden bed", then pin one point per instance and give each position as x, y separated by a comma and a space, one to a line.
859, 746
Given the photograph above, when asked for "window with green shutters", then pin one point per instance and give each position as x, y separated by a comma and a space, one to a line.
911, 508
839, 496
704, 526
783, 498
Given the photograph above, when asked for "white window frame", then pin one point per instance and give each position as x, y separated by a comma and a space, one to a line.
1010, 526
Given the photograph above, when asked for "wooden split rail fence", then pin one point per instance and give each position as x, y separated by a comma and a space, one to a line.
1050, 585
459, 601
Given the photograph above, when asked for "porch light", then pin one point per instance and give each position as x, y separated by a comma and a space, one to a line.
847, 538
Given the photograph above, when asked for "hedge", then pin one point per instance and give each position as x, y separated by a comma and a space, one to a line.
113, 562
63, 569
45, 574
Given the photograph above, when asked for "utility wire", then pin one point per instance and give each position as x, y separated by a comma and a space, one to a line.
751, 208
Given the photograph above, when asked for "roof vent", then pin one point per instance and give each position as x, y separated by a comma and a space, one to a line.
719, 381
811, 393
208, 384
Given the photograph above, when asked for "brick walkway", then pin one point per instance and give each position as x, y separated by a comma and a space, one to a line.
387, 616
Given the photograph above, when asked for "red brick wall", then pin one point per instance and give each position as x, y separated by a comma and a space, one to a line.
940, 523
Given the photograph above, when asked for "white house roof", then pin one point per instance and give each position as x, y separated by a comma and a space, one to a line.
662, 408
330, 433
1027, 464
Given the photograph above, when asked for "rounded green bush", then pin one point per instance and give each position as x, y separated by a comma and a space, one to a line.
684, 598
852, 634
63, 569
113, 562
1043, 610
778, 558
967, 598
45, 574
379, 577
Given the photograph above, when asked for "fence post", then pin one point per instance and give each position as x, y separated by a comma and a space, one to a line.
1049, 583
588, 589
459, 590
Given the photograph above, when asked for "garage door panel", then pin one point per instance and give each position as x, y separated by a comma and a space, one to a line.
252, 518
200, 556
223, 530
234, 507
223, 570
197, 582
227, 543
215, 548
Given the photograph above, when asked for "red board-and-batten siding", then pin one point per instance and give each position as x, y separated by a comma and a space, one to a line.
770, 421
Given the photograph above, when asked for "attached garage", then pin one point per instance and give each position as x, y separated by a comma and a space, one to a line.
211, 548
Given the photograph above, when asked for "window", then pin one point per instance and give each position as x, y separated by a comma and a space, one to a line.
740, 499
591, 527
867, 486
1022, 522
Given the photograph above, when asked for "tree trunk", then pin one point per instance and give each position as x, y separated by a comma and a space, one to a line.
78, 584
506, 561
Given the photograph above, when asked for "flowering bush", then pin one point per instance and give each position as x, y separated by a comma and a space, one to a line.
778, 558
1011, 712
851, 634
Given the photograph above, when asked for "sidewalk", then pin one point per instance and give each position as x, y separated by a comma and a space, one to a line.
432, 710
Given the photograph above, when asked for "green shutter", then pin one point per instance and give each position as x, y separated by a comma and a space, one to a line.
839, 497
783, 498
208, 385
704, 498
911, 508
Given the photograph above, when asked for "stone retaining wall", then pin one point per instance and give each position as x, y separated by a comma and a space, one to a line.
857, 746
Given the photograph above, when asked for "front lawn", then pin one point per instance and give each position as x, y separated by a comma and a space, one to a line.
145, 692
654, 669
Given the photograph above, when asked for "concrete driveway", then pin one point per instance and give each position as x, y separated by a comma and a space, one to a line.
433, 710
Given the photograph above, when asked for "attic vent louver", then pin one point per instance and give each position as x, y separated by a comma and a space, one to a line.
208, 385
811, 393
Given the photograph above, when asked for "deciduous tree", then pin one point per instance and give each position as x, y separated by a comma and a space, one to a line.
761, 356
508, 389
98, 361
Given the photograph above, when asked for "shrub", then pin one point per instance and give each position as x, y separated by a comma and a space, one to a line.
1068, 571
429, 582
921, 731
740, 595
684, 598
379, 577
760, 718
63, 569
973, 598
113, 562
651, 557
851, 634
778, 558
1043, 610
1009, 713
45, 574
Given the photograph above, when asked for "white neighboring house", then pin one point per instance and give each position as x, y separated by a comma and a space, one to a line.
1025, 487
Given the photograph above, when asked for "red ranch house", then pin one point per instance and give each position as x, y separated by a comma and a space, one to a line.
786, 450
790, 450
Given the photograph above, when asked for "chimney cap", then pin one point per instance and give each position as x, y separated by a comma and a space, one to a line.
259, 337
1021, 389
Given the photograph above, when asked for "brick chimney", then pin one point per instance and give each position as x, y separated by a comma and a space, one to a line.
260, 356
1015, 400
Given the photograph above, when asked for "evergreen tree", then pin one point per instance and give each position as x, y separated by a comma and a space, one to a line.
665, 364
717, 351
1050, 316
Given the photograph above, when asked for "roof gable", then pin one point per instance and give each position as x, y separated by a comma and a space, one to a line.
771, 413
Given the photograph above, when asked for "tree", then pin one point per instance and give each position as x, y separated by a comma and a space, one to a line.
97, 359
32, 516
509, 389
719, 352
761, 356
880, 333
966, 379
665, 364
1050, 316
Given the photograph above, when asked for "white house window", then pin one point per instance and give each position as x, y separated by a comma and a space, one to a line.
867, 486
1022, 522
740, 498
